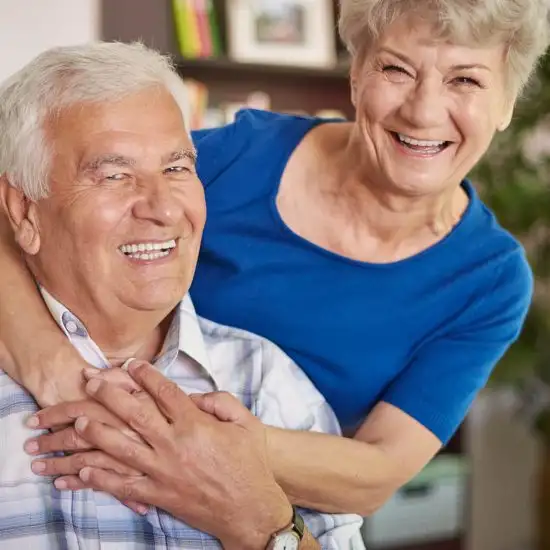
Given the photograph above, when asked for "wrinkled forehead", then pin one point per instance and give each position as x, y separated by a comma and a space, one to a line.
147, 127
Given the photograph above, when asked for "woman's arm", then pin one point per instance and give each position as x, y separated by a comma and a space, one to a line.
24, 318
339, 475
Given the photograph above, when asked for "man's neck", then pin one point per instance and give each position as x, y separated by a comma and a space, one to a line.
121, 332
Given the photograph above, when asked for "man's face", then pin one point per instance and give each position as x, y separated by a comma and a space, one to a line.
123, 222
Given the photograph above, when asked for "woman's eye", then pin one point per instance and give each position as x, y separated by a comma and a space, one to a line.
395, 68
467, 81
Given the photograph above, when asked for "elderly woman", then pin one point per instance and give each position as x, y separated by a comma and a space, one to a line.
358, 247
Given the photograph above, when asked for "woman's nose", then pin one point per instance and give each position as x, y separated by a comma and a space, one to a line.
425, 106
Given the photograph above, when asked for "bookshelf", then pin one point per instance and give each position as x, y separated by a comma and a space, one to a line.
290, 88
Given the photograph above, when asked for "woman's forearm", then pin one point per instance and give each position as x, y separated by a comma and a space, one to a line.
23, 315
331, 473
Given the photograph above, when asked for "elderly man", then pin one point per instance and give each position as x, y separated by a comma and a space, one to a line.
101, 192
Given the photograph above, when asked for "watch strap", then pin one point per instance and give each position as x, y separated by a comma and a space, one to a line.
296, 526
298, 523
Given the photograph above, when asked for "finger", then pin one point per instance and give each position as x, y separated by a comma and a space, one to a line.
118, 445
137, 507
65, 414
139, 414
74, 483
124, 488
115, 376
69, 483
223, 406
72, 464
63, 440
171, 400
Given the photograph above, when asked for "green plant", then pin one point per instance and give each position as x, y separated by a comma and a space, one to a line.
515, 183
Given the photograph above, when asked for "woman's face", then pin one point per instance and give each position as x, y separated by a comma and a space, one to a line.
427, 110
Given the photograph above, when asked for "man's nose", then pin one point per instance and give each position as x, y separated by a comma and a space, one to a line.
157, 203
425, 106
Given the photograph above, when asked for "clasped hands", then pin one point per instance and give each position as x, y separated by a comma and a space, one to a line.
202, 458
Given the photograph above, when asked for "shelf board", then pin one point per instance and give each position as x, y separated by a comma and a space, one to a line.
227, 65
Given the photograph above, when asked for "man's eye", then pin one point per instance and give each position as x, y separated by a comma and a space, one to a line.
177, 170
116, 177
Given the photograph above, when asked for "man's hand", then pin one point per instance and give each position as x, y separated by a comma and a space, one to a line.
212, 474
79, 452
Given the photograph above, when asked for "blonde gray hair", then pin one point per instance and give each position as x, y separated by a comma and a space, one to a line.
65, 76
523, 26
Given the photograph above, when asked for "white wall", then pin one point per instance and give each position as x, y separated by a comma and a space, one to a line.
504, 460
28, 27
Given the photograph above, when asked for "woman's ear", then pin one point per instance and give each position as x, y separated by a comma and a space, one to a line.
22, 215
507, 115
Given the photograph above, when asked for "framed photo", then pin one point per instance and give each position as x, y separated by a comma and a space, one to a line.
282, 32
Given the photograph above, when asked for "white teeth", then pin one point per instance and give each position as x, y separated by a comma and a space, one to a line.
153, 256
420, 142
140, 248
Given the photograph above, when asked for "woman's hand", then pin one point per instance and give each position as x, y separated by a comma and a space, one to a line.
214, 474
58, 376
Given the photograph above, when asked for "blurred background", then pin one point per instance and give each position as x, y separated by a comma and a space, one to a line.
490, 488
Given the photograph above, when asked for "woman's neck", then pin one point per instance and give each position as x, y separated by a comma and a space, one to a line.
400, 225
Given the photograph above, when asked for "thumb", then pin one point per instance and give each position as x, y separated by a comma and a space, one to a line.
115, 376
223, 406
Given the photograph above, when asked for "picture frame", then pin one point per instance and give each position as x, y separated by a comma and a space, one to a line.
282, 32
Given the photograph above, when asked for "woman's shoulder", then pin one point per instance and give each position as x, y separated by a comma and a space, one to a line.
254, 136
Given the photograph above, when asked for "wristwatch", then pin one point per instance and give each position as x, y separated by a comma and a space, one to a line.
290, 537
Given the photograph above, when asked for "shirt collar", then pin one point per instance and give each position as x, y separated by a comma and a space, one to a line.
184, 334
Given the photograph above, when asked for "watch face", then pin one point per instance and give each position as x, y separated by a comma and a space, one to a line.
286, 541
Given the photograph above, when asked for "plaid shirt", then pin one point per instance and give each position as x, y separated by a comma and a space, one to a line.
200, 356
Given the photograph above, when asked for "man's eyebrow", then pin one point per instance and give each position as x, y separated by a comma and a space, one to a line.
96, 163
182, 154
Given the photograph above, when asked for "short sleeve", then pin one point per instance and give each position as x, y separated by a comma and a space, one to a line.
441, 381
219, 148
216, 149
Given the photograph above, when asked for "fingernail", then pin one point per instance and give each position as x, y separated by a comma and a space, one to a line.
31, 446
142, 509
38, 466
84, 474
91, 373
81, 423
134, 366
126, 363
93, 385
60, 484
33, 421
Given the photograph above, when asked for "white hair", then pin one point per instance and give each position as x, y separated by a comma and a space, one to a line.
65, 76
523, 26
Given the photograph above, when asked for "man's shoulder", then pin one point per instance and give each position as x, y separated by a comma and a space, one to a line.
279, 374
216, 334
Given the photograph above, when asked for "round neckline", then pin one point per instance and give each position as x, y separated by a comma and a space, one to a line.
288, 232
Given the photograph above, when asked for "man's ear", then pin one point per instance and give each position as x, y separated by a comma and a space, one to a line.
22, 215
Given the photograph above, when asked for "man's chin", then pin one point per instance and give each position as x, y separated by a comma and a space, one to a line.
157, 297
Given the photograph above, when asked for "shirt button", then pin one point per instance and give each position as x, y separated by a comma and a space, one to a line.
71, 327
